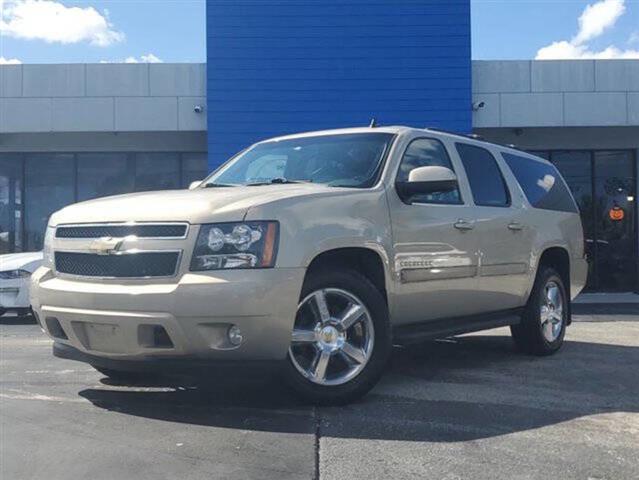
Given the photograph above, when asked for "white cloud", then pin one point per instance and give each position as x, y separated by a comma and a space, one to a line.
634, 38
9, 61
54, 22
593, 22
597, 18
150, 58
566, 50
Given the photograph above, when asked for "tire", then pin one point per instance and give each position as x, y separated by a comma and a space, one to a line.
349, 371
543, 324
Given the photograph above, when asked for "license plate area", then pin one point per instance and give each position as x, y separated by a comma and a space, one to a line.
100, 337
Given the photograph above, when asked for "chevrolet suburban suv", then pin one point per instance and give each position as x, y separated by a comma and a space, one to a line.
315, 253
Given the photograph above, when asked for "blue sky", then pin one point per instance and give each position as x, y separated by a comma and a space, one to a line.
55, 31
518, 29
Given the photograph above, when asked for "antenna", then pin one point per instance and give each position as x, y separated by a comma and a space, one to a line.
373, 123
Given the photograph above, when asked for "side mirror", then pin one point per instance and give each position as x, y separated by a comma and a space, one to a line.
195, 184
425, 180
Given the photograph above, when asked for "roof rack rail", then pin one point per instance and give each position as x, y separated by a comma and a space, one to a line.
475, 136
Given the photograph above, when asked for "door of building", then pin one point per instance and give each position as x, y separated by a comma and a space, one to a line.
603, 183
11, 239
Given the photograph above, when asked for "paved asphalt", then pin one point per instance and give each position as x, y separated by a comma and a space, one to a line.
468, 408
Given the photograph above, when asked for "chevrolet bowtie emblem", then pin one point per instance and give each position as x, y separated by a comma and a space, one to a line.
106, 245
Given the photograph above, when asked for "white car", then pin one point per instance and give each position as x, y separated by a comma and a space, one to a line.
15, 272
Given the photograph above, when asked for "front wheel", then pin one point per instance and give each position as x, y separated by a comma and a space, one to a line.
543, 324
341, 339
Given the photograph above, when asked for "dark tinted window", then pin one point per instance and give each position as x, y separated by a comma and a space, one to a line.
103, 174
157, 171
541, 183
484, 176
194, 167
49, 186
10, 203
426, 152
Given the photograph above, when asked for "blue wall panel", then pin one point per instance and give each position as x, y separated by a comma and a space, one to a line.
285, 66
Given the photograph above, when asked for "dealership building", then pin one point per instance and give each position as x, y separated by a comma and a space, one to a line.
74, 132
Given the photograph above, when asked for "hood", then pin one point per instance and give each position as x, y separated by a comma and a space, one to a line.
20, 261
201, 205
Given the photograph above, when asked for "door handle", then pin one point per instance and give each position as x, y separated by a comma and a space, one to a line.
515, 226
462, 224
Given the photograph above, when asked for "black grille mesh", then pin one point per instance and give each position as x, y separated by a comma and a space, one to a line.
145, 264
118, 231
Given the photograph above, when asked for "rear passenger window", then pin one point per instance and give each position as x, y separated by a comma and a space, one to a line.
426, 152
542, 184
485, 178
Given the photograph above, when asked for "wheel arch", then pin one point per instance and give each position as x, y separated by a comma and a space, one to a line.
367, 261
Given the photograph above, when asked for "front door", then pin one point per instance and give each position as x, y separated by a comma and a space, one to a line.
435, 244
603, 183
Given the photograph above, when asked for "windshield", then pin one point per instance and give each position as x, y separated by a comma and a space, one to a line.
351, 160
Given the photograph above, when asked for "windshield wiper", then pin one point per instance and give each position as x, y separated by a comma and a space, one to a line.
217, 185
276, 181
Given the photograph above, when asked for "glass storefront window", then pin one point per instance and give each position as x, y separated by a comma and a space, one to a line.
614, 175
194, 167
33, 186
10, 203
104, 174
156, 171
603, 184
49, 186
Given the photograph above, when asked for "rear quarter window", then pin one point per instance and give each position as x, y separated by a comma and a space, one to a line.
542, 184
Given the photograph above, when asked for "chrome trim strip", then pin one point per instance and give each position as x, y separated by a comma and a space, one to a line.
440, 273
500, 269
121, 224
133, 251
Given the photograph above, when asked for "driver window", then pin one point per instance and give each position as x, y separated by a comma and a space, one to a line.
426, 152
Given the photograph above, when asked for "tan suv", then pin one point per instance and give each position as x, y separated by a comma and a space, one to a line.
315, 252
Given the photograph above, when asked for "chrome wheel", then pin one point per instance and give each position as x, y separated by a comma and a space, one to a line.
552, 311
333, 337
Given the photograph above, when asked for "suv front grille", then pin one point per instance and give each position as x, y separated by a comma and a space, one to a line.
134, 265
168, 230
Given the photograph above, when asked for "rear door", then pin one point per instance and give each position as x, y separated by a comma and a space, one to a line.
435, 244
505, 238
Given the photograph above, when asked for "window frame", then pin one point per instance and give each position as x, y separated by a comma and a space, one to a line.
462, 201
509, 195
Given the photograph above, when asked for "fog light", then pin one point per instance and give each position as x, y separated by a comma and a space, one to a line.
235, 335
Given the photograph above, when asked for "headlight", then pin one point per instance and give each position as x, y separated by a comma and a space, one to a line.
235, 245
14, 274
48, 247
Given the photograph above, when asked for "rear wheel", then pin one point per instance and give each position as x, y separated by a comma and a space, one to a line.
341, 338
543, 325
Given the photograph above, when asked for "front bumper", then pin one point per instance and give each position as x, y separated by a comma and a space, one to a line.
108, 320
192, 366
